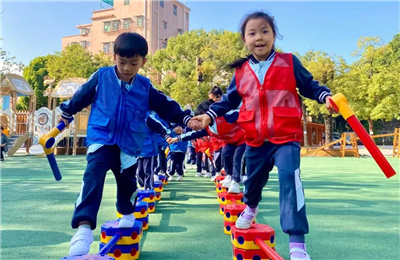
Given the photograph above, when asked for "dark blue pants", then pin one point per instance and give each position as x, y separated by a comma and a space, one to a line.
218, 160
145, 172
199, 162
286, 157
177, 163
99, 163
161, 166
191, 155
232, 156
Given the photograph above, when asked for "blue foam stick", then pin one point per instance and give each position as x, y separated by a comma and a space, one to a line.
54, 166
113, 241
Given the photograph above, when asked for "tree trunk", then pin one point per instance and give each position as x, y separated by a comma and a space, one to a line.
328, 129
303, 107
370, 126
199, 75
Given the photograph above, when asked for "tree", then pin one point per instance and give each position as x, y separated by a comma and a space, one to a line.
327, 70
72, 62
34, 74
8, 63
372, 84
194, 62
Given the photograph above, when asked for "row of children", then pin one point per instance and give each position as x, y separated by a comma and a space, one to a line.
265, 82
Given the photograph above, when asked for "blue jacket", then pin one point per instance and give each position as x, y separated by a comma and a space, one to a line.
179, 147
155, 131
118, 118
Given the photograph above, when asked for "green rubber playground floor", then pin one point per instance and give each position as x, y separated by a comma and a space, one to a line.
353, 212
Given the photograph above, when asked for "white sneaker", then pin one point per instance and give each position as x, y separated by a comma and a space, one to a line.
246, 218
156, 178
234, 187
207, 175
171, 178
198, 174
127, 221
228, 178
80, 242
213, 178
227, 182
180, 178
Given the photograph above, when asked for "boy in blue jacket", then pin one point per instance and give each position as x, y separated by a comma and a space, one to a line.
120, 99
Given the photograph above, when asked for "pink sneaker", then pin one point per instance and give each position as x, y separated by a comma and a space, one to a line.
298, 251
246, 218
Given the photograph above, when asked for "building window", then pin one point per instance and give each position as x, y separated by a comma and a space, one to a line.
126, 2
111, 46
164, 24
106, 47
140, 20
180, 31
126, 23
175, 10
85, 31
187, 16
106, 26
85, 44
114, 26
164, 45
162, 3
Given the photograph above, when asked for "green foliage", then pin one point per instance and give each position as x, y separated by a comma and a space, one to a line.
194, 62
72, 62
34, 74
372, 83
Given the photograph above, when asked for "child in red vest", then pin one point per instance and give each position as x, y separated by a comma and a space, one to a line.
201, 146
267, 82
227, 130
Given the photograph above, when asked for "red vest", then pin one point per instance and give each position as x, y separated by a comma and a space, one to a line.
272, 110
229, 133
202, 144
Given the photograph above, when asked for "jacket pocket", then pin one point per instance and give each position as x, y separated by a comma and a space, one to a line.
98, 127
246, 121
287, 121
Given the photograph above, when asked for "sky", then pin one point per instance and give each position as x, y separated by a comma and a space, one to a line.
34, 28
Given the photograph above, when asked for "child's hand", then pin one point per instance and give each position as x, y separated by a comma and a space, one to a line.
171, 140
199, 122
329, 106
178, 130
61, 119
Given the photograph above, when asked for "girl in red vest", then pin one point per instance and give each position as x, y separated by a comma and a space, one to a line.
267, 83
201, 146
227, 130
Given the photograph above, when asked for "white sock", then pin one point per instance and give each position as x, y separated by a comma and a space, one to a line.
85, 226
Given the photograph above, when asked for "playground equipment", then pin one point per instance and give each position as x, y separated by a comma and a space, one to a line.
65, 89
124, 243
46, 143
257, 242
339, 103
20, 123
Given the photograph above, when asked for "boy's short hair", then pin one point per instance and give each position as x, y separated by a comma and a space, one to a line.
130, 44
203, 107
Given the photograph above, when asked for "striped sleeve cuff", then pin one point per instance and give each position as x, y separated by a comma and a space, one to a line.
165, 135
212, 115
323, 95
66, 115
186, 119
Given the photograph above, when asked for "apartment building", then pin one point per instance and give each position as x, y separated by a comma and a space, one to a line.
156, 20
